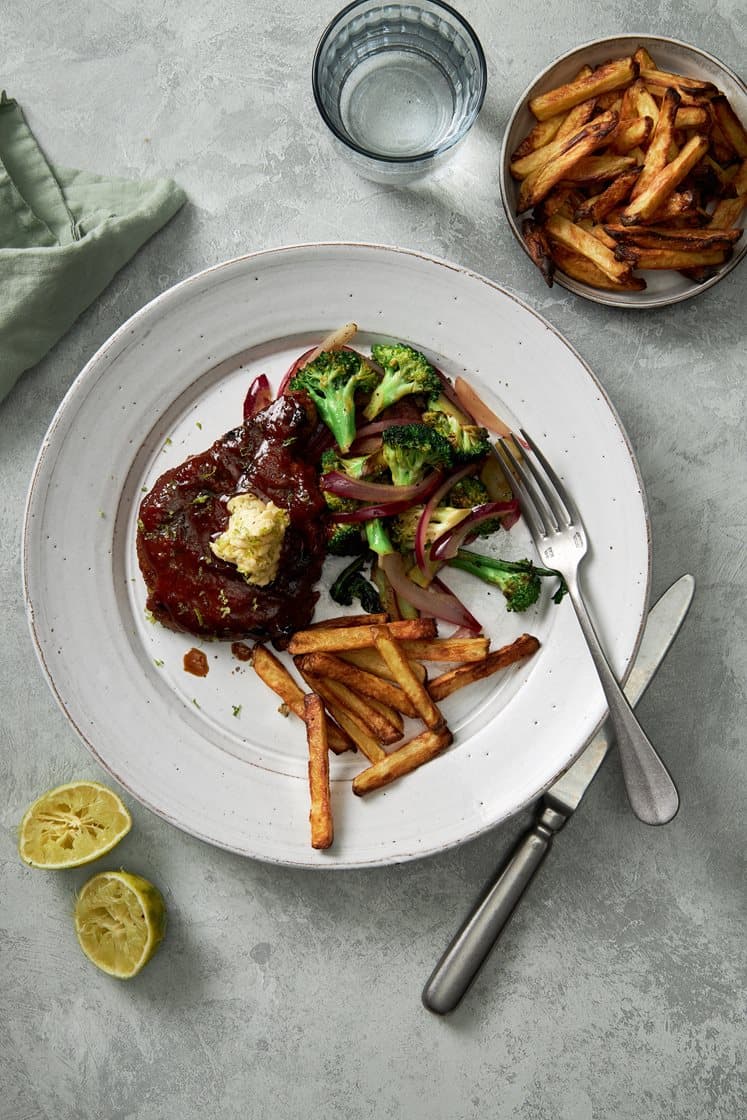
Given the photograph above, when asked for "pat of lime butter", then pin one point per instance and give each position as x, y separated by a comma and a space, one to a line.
253, 538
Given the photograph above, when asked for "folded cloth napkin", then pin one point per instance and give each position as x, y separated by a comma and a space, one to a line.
63, 236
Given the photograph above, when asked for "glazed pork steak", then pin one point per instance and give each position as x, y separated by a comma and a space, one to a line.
191, 589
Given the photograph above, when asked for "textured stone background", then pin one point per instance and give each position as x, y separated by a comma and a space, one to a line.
618, 989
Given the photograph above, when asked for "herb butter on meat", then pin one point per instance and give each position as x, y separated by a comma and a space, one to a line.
253, 538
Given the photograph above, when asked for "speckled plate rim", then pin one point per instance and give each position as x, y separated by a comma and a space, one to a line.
610, 299
88, 381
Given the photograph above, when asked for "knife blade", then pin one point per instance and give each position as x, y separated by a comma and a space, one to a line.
470, 947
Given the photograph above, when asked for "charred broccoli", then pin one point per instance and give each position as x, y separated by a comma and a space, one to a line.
468, 493
355, 466
409, 450
406, 371
404, 526
344, 538
468, 441
520, 580
332, 381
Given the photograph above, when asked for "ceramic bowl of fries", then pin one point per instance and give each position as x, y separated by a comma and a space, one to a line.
624, 171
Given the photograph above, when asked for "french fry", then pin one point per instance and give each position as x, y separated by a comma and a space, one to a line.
443, 686
365, 743
693, 116
446, 649
538, 158
393, 654
320, 814
611, 75
654, 237
657, 154
403, 761
365, 683
576, 118
545, 131
581, 269
631, 133
728, 212
276, 676
598, 207
739, 182
540, 182
367, 717
644, 59
536, 242
349, 620
665, 181
599, 169
679, 258
372, 662
660, 81
645, 104
571, 236
357, 637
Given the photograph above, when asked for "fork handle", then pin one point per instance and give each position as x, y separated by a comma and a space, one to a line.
651, 792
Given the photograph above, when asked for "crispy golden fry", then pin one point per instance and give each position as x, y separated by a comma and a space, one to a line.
536, 159
545, 131
357, 637
655, 237
679, 204
363, 713
443, 686
728, 212
644, 59
631, 133
660, 81
601, 205
540, 182
536, 242
679, 258
276, 676
366, 744
446, 649
365, 683
580, 241
599, 232
349, 620
611, 75
693, 116
320, 815
372, 662
599, 169
563, 199
581, 269
642, 101
657, 154
665, 181
404, 760
396, 659
739, 182
610, 100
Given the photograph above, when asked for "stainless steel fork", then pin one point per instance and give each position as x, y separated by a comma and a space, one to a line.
560, 538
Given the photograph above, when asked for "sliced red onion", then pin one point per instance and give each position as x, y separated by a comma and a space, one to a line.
474, 405
258, 396
377, 426
449, 392
421, 532
447, 545
439, 602
338, 483
368, 513
365, 446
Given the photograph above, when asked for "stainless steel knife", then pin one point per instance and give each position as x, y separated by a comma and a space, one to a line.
470, 947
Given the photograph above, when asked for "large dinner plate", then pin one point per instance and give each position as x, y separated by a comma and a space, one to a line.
213, 755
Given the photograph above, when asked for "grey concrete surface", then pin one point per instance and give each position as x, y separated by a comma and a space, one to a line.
618, 990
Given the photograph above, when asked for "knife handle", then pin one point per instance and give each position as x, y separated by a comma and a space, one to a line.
471, 946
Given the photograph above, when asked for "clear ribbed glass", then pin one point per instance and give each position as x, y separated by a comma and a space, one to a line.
399, 85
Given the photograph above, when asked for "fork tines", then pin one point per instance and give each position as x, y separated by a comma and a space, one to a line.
547, 507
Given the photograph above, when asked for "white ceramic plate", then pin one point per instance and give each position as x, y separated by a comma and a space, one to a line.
169, 382
663, 287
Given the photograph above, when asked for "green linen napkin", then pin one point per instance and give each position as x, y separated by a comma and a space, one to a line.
63, 236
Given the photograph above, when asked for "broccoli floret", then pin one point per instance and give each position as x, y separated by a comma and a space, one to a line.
520, 580
355, 466
406, 371
468, 493
468, 441
378, 537
409, 450
404, 526
344, 538
352, 584
332, 381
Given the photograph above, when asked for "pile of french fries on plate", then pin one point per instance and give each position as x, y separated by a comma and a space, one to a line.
364, 675
631, 168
